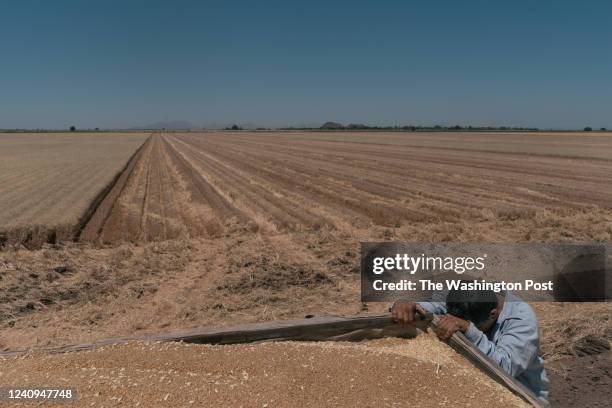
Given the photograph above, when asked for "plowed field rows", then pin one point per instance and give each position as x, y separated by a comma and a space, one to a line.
206, 184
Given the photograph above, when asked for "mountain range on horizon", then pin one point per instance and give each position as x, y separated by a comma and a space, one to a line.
166, 124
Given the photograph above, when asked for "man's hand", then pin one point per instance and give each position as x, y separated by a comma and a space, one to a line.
448, 325
405, 312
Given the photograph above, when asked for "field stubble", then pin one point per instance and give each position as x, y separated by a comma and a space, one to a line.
186, 185
220, 228
48, 182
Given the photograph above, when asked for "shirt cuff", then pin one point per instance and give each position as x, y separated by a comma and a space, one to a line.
428, 307
472, 333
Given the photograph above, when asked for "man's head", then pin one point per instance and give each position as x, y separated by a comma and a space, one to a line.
481, 307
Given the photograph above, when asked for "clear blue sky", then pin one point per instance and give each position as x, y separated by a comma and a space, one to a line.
276, 63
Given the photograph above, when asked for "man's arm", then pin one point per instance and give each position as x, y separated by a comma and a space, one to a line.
405, 312
515, 349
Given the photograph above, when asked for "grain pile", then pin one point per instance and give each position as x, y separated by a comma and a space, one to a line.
419, 372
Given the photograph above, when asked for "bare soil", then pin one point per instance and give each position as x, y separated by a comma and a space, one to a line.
581, 381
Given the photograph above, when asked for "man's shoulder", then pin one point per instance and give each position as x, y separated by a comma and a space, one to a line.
519, 309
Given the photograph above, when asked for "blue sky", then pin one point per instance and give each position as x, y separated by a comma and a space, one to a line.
278, 63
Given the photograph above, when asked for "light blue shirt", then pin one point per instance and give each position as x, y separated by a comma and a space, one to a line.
513, 343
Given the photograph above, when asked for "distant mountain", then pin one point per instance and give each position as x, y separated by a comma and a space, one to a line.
332, 125
306, 125
167, 124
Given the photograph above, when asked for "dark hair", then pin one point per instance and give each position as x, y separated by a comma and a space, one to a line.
472, 305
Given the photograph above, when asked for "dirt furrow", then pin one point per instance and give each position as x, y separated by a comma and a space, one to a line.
205, 190
589, 180
100, 213
326, 190
254, 194
489, 185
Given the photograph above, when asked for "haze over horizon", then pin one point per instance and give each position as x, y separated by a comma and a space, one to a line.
127, 64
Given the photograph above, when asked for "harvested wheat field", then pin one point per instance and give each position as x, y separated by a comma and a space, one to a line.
421, 372
228, 227
220, 228
48, 181
210, 184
